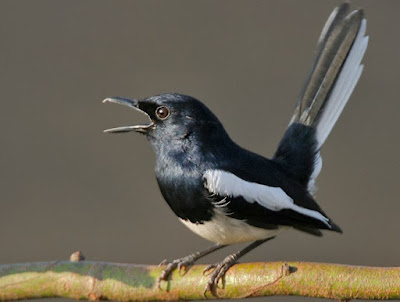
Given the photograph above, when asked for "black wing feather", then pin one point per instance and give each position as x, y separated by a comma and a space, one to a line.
274, 176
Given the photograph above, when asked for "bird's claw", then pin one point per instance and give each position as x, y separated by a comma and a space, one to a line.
208, 268
182, 265
164, 262
216, 275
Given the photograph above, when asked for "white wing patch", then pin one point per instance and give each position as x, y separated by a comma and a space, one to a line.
344, 86
273, 198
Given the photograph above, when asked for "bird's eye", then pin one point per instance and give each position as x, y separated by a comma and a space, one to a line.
162, 112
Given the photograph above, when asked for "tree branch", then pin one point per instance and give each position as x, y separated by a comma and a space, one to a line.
126, 282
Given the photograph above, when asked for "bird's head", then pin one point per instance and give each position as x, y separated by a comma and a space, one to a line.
172, 117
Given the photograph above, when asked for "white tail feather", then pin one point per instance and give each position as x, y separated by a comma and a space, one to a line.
344, 86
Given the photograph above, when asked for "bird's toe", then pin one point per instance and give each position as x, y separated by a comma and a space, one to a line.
181, 264
217, 274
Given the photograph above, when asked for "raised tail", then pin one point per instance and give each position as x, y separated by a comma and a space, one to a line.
335, 72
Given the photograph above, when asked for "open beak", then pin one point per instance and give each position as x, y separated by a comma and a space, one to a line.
132, 104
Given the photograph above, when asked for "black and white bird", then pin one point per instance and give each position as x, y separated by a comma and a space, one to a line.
227, 194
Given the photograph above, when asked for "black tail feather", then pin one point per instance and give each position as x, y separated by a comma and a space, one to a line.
332, 50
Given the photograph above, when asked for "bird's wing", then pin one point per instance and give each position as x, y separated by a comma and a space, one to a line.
262, 205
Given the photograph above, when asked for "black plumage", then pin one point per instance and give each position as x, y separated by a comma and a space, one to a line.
228, 194
193, 141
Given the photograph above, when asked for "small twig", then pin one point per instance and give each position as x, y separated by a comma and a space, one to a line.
76, 257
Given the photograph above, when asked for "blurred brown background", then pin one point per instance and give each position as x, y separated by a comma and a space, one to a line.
64, 185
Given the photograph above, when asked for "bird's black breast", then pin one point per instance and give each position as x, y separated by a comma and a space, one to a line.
180, 179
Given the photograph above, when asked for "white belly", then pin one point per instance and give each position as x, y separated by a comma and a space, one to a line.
225, 230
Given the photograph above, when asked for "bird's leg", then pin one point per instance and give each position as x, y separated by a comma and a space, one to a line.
222, 267
185, 262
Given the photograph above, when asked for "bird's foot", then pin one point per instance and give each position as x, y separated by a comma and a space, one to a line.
182, 264
217, 274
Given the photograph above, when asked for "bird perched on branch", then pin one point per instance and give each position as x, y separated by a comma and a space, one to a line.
227, 194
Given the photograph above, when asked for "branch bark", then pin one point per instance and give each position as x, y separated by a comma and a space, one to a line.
125, 282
